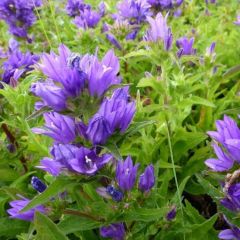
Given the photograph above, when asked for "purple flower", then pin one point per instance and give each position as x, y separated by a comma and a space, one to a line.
210, 1
231, 234
19, 15
101, 75
159, 31
232, 199
88, 19
74, 7
98, 130
17, 64
210, 52
135, 11
165, 4
38, 185
59, 127
51, 166
238, 21
223, 162
102, 8
18, 205
147, 179
116, 231
171, 214
75, 159
228, 135
185, 46
126, 174
51, 95
114, 113
62, 68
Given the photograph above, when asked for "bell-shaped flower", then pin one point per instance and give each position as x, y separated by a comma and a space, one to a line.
159, 31
18, 205
59, 127
126, 174
147, 179
185, 46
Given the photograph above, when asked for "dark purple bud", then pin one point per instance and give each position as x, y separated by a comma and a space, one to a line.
147, 179
116, 194
38, 185
171, 214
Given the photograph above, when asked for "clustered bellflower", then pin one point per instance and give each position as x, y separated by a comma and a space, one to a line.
17, 64
71, 78
19, 15
84, 16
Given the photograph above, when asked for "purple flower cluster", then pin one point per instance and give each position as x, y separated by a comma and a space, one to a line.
71, 80
17, 64
84, 16
19, 15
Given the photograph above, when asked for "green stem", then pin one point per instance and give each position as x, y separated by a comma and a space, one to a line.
41, 23
174, 172
54, 20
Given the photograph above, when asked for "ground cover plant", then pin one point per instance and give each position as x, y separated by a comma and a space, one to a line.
119, 119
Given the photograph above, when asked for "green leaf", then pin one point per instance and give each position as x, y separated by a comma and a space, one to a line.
46, 229
58, 186
195, 100
144, 215
71, 224
181, 188
8, 174
11, 227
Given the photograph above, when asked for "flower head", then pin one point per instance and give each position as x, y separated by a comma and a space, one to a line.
232, 233
18, 205
59, 127
232, 199
115, 231
147, 179
74, 159
159, 31
135, 11
19, 15
126, 174
185, 46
